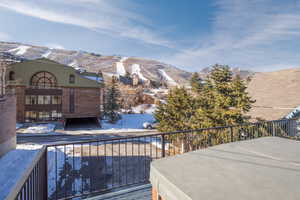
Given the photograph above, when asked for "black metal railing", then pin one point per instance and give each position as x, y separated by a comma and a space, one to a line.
34, 186
100, 166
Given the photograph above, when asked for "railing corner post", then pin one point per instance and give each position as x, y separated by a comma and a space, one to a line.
273, 131
163, 145
231, 133
46, 174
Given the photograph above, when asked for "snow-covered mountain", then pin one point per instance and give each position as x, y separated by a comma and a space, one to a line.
145, 69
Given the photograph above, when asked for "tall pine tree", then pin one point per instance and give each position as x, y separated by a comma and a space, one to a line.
222, 100
176, 113
195, 82
112, 102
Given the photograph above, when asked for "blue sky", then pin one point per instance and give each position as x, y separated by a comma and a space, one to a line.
261, 35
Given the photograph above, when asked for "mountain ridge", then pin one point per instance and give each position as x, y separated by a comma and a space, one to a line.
146, 69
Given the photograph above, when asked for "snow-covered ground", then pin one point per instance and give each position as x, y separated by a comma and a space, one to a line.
129, 122
167, 77
137, 70
14, 164
144, 108
20, 50
18, 125
40, 128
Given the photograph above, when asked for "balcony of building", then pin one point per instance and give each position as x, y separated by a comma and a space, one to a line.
122, 168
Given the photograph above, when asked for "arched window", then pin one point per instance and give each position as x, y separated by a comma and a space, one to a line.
43, 80
71, 78
11, 76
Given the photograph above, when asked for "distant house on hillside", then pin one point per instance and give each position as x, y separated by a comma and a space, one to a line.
49, 91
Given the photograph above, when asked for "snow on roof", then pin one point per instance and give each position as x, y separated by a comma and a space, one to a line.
73, 64
94, 78
20, 50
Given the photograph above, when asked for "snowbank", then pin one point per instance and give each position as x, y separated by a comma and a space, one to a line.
129, 122
40, 128
145, 108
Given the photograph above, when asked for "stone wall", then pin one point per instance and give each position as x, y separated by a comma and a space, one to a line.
7, 123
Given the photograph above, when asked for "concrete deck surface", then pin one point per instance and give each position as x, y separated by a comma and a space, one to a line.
142, 192
261, 169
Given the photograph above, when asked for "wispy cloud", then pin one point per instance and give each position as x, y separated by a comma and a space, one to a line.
97, 15
251, 34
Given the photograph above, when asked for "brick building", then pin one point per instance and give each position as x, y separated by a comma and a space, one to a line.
48, 91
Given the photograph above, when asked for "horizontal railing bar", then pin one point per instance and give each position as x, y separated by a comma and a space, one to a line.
27, 174
164, 133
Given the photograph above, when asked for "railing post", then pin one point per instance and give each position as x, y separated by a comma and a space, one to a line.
45, 184
273, 132
163, 145
231, 133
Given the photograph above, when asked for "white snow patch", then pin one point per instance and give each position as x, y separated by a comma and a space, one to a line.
129, 122
40, 128
146, 108
14, 164
120, 67
135, 68
20, 50
159, 90
94, 78
167, 77
46, 54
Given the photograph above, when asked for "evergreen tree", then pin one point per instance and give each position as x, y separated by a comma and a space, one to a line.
195, 82
176, 113
222, 100
112, 104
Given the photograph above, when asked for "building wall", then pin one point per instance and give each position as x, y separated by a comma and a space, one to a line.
87, 102
7, 123
20, 101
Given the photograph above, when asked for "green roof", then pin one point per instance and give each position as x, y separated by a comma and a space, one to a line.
25, 70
